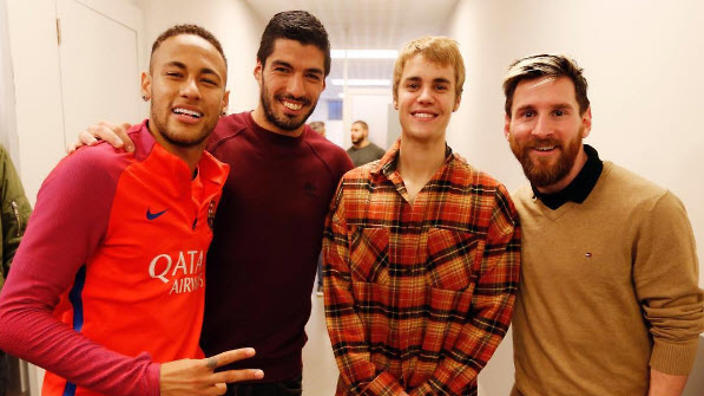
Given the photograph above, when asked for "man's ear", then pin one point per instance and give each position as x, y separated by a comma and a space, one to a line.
507, 126
458, 99
258, 70
587, 122
146, 86
225, 102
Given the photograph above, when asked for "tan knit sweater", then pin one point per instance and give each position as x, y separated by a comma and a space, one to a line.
608, 289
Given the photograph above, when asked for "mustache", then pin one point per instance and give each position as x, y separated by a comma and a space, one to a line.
535, 142
301, 99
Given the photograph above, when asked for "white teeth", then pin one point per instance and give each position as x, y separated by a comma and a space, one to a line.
545, 148
292, 106
423, 115
187, 112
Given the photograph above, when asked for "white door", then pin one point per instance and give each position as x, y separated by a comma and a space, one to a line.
100, 57
99, 54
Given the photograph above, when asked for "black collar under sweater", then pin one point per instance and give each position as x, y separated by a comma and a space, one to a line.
578, 190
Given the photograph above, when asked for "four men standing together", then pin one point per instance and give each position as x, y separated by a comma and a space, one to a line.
422, 251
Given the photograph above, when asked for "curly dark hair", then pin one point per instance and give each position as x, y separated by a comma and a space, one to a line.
189, 29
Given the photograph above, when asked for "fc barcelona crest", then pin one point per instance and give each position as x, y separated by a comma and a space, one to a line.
211, 213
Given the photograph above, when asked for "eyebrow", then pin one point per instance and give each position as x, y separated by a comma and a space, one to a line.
435, 80
559, 106
562, 106
286, 64
205, 70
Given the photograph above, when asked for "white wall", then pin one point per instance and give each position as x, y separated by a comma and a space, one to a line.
35, 63
232, 21
643, 60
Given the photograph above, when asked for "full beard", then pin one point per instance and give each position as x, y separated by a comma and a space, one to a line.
541, 173
282, 121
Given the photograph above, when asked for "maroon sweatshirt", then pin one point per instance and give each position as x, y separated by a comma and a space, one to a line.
268, 233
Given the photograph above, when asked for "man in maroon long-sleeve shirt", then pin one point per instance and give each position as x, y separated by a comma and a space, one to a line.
268, 229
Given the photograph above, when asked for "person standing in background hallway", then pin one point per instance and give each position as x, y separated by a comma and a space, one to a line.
609, 302
362, 150
318, 126
15, 211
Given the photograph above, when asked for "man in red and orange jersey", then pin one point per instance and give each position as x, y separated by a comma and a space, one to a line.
107, 289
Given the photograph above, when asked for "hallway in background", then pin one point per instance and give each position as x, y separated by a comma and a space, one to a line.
319, 368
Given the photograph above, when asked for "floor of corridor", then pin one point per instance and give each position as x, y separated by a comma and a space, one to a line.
319, 369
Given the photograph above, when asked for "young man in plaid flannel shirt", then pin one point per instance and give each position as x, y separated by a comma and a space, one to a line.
421, 250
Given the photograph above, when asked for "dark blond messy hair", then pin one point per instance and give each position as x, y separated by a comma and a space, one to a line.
437, 49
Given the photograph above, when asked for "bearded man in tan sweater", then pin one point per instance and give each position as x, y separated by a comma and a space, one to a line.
608, 302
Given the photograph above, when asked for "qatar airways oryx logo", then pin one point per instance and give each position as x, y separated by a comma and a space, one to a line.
184, 270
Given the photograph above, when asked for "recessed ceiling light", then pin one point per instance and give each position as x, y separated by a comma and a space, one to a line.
362, 82
364, 54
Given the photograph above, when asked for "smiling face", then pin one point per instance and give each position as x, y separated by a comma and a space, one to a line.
290, 82
425, 99
186, 84
545, 131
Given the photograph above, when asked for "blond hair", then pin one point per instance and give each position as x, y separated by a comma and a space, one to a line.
437, 49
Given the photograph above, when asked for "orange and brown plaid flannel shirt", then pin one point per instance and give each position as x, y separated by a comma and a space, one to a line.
418, 296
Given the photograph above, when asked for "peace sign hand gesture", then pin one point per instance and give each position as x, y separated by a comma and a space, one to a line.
188, 377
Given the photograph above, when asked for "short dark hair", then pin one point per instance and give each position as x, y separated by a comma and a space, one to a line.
189, 29
362, 123
545, 65
297, 25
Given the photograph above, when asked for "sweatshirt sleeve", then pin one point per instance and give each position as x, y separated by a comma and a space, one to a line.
15, 210
65, 230
666, 277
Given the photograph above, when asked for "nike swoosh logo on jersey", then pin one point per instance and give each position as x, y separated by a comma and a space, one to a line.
152, 216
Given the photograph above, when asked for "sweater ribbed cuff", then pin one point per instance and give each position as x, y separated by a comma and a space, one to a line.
674, 359
154, 379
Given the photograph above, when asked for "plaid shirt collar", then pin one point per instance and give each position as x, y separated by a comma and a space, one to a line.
388, 164
387, 168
